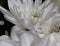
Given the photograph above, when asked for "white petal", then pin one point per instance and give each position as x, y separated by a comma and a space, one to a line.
49, 17
4, 11
8, 15
57, 2
10, 19
49, 13
27, 24
52, 12
16, 8
14, 36
15, 33
27, 38
38, 2
5, 41
48, 9
55, 9
14, 3
41, 42
56, 19
54, 39
4, 37
45, 4
28, 2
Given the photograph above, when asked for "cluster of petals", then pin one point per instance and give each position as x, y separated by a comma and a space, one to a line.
36, 23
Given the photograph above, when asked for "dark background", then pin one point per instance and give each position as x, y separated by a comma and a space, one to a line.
7, 26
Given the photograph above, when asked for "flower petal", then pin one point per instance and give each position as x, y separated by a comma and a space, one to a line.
41, 42
57, 2
5, 41
16, 32
48, 9
38, 2
54, 39
14, 3
8, 15
49, 12
28, 2
45, 4
56, 19
10, 19
27, 38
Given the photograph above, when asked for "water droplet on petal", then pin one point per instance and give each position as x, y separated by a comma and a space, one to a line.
1, 22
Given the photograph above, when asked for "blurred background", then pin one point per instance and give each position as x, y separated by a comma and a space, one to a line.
7, 25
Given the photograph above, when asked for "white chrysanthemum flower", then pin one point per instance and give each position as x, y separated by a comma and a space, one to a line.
27, 13
36, 17
31, 12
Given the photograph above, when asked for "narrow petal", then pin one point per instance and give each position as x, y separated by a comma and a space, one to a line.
57, 2
4, 11
10, 19
13, 4
52, 13
56, 19
38, 2
48, 9
28, 2
8, 15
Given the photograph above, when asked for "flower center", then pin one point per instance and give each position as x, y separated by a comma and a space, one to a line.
54, 28
48, 30
34, 13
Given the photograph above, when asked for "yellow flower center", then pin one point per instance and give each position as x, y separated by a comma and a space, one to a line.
49, 29
54, 28
34, 13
